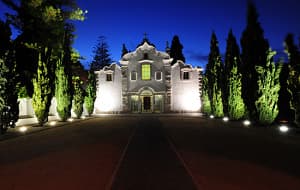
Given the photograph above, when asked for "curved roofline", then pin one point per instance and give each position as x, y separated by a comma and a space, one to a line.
145, 40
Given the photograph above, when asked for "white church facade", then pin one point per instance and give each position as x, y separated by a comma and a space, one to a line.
145, 82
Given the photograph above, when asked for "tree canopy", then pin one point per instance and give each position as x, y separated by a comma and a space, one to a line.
254, 48
102, 56
176, 50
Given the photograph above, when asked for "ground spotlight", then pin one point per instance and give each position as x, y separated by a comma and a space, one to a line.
283, 128
247, 123
83, 117
211, 116
225, 119
53, 123
70, 119
23, 129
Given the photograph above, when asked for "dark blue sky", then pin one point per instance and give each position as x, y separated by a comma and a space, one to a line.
125, 21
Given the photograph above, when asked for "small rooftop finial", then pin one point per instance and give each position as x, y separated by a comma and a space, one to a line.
168, 50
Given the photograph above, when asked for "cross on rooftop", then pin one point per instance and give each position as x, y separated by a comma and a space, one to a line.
145, 35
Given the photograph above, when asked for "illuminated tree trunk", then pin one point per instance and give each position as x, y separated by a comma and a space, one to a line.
268, 88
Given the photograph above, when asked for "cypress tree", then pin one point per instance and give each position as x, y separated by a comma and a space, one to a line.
62, 92
217, 104
236, 106
294, 74
63, 84
176, 50
102, 56
233, 102
3, 70
78, 98
254, 48
232, 59
286, 113
42, 93
12, 85
90, 91
8, 56
214, 74
268, 88
206, 107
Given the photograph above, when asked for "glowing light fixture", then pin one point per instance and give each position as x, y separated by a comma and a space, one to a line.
53, 123
70, 119
211, 116
283, 128
247, 123
225, 119
23, 129
83, 117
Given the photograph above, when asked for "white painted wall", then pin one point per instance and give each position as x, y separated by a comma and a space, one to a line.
25, 107
109, 93
185, 95
26, 110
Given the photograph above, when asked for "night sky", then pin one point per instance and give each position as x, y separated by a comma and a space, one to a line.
192, 20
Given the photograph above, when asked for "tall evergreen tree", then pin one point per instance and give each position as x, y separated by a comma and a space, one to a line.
233, 102
236, 106
254, 48
62, 92
232, 59
176, 50
90, 91
294, 74
78, 97
63, 84
42, 93
215, 78
268, 88
102, 56
7, 54
286, 113
12, 86
3, 70
206, 107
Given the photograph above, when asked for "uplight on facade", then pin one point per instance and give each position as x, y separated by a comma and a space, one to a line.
190, 101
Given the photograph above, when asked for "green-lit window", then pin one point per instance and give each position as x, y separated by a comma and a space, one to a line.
146, 72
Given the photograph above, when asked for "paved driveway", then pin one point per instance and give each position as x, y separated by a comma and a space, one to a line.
151, 152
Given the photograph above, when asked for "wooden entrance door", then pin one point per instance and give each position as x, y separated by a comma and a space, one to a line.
147, 103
